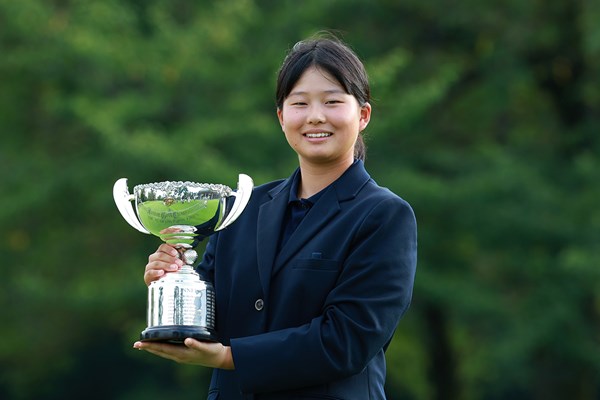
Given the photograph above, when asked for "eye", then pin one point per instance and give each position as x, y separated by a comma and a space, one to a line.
296, 102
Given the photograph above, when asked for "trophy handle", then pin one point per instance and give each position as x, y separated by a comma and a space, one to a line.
242, 196
123, 200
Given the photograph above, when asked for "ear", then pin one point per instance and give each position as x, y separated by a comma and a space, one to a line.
280, 116
365, 116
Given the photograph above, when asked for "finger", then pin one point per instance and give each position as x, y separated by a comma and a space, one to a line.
209, 349
164, 263
156, 269
164, 257
160, 260
205, 347
168, 249
152, 275
171, 352
191, 343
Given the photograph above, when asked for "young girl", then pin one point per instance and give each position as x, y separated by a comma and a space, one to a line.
313, 278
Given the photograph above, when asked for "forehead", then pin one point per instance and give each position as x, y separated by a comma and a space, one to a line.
316, 80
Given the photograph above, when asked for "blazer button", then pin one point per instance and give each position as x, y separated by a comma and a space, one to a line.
259, 304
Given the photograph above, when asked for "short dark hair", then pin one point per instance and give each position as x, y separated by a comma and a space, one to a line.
333, 56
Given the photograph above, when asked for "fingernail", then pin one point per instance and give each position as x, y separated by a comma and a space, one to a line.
174, 253
179, 262
174, 267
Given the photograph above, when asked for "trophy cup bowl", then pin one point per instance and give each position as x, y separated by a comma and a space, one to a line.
181, 304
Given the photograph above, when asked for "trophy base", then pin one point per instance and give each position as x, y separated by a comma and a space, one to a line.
177, 334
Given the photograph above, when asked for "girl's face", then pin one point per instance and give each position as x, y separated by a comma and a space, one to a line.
320, 120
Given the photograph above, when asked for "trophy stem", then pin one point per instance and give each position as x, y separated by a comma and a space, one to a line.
188, 256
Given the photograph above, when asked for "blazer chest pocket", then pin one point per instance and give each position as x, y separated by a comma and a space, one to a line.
316, 264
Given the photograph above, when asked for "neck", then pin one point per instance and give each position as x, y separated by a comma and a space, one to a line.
316, 177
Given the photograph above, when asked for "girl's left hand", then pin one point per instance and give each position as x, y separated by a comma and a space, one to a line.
208, 354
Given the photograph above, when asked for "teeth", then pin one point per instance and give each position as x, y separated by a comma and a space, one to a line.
318, 135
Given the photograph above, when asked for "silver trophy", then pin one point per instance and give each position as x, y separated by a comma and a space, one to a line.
181, 304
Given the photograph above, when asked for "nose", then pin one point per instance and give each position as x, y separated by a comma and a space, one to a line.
315, 115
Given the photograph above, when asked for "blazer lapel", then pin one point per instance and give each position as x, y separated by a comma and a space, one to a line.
270, 221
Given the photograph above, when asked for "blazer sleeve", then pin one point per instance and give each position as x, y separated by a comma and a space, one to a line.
358, 318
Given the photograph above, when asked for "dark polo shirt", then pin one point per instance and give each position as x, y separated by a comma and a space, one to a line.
296, 209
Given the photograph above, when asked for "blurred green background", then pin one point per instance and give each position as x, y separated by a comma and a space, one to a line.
486, 118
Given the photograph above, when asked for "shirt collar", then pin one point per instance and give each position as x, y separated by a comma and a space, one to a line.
293, 195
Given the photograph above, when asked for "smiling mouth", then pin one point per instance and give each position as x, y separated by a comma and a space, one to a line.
317, 135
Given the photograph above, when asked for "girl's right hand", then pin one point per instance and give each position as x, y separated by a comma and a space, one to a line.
165, 259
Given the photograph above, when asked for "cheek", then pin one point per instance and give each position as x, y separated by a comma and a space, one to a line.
293, 117
346, 119
291, 123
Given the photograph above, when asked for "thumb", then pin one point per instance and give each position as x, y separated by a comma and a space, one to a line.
192, 343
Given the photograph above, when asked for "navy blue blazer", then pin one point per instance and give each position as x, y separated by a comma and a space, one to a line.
313, 320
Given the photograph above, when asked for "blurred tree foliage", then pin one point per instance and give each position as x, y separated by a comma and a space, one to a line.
486, 119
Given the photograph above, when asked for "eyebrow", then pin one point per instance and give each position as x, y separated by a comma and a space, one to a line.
333, 91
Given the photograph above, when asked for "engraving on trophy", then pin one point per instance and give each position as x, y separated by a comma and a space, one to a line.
199, 315
160, 306
181, 304
210, 308
178, 307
